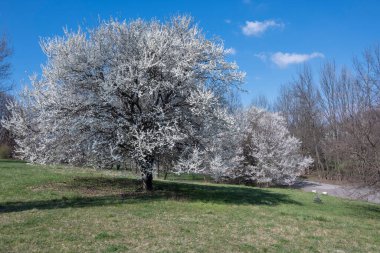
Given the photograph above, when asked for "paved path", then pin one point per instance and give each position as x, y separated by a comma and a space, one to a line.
351, 192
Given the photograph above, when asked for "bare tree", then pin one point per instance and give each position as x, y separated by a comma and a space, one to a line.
6, 141
299, 103
338, 120
261, 101
363, 123
5, 53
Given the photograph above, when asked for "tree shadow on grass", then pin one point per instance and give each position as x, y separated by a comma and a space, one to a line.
11, 161
114, 191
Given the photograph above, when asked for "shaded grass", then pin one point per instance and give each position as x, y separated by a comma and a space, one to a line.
186, 177
127, 192
54, 209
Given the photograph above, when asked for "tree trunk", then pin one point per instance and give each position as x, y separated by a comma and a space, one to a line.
158, 168
148, 181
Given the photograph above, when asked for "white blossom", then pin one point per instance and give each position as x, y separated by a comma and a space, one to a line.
268, 153
124, 90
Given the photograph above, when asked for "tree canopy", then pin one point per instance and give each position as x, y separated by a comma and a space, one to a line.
125, 90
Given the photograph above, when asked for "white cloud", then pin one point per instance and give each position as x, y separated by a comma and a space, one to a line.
256, 28
262, 56
230, 51
227, 21
282, 60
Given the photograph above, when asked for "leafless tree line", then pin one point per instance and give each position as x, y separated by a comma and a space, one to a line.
337, 117
6, 140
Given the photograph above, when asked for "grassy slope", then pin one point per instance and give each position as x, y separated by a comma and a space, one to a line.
46, 209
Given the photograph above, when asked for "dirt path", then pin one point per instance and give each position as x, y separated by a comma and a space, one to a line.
351, 192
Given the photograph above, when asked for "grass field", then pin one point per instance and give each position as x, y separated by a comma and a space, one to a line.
53, 209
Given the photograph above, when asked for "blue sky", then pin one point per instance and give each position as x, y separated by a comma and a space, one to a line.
270, 40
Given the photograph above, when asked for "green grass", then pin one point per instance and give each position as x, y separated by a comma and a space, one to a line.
56, 209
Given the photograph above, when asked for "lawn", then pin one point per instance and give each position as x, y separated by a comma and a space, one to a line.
57, 209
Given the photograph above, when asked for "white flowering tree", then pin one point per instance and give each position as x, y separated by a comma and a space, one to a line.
219, 153
268, 154
124, 90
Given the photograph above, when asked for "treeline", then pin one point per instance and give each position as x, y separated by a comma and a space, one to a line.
336, 115
7, 143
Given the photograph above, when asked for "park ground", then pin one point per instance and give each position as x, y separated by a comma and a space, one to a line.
60, 209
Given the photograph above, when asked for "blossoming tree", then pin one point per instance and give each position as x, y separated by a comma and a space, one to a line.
124, 90
267, 153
